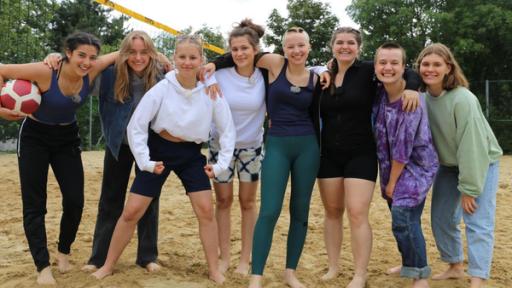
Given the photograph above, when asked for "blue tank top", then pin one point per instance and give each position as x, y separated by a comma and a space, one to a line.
288, 106
55, 108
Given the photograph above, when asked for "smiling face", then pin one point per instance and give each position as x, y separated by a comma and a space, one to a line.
188, 59
389, 65
243, 52
138, 56
433, 69
345, 47
296, 47
82, 59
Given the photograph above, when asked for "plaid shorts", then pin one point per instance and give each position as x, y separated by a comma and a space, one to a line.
245, 161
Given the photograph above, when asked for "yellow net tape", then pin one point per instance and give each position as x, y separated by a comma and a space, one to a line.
152, 22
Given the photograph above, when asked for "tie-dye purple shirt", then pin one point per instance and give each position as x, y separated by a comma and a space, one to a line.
404, 137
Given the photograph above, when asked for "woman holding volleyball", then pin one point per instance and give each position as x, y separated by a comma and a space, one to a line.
50, 136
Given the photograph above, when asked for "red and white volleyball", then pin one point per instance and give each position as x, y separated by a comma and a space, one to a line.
20, 96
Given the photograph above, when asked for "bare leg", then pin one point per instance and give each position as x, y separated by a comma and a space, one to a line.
358, 195
420, 283
89, 268
203, 208
247, 198
394, 270
224, 200
133, 210
291, 279
256, 281
477, 282
63, 263
153, 267
331, 190
454, 271
45, 277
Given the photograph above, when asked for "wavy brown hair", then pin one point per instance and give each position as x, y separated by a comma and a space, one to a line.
455, 77
253, 33
122, 84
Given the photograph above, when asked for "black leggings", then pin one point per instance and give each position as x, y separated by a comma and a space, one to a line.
116, 175
41, 145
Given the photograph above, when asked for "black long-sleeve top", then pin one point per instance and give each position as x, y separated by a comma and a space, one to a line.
346, 113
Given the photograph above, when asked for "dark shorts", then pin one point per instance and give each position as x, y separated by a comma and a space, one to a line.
357, 164
184, 158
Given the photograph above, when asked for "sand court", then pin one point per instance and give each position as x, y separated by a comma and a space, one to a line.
180, 251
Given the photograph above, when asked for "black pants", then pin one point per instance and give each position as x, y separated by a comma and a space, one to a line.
41, 145
116, 174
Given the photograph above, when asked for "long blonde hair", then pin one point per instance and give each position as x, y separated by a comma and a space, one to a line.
455, 77
122, 83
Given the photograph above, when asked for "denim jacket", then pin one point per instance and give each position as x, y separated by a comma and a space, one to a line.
114, 115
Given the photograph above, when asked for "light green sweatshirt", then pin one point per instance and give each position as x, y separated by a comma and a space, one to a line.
463, 137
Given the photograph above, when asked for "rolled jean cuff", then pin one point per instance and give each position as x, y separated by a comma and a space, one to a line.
452, 260
479, 273
415, 273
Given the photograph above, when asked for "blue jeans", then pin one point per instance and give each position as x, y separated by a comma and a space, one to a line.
447, 214
411, 243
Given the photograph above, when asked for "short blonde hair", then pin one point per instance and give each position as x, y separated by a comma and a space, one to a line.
294, 29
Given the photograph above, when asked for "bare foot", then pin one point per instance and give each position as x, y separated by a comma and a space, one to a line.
357, 282
455, 271
394, 270
256, 281
223, 266
63, 263
45, 277
102, 273
291, 279
243, 268
477, 282
420, 283
331, 274
89, 268
218, 278
153, 267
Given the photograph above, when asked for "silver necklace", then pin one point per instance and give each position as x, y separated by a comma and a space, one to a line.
295, 89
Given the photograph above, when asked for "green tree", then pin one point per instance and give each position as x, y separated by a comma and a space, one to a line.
212, 36
165, 42
87, 16
479, 34
313, 16
391, 20
24, 30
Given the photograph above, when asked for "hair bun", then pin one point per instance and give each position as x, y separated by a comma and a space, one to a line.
249, 24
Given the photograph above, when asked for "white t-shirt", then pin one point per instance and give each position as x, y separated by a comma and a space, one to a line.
246, 99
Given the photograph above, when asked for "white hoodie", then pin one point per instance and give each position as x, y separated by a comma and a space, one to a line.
183, 113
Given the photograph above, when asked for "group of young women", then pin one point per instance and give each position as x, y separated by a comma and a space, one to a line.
337, 134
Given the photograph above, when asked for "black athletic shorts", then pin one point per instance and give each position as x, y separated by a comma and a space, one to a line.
354, 164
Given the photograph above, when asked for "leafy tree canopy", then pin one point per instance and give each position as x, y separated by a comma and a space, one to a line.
478, 34
314, 17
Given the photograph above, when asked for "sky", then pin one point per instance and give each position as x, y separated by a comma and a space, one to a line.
221, 14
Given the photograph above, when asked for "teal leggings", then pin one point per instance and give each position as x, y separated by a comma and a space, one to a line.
300, 157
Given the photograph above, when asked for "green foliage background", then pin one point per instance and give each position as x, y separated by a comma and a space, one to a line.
478, 32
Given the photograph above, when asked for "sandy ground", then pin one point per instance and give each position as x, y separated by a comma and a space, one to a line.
181, 254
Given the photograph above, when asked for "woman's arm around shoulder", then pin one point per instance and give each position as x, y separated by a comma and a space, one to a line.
102, 63
272, 62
